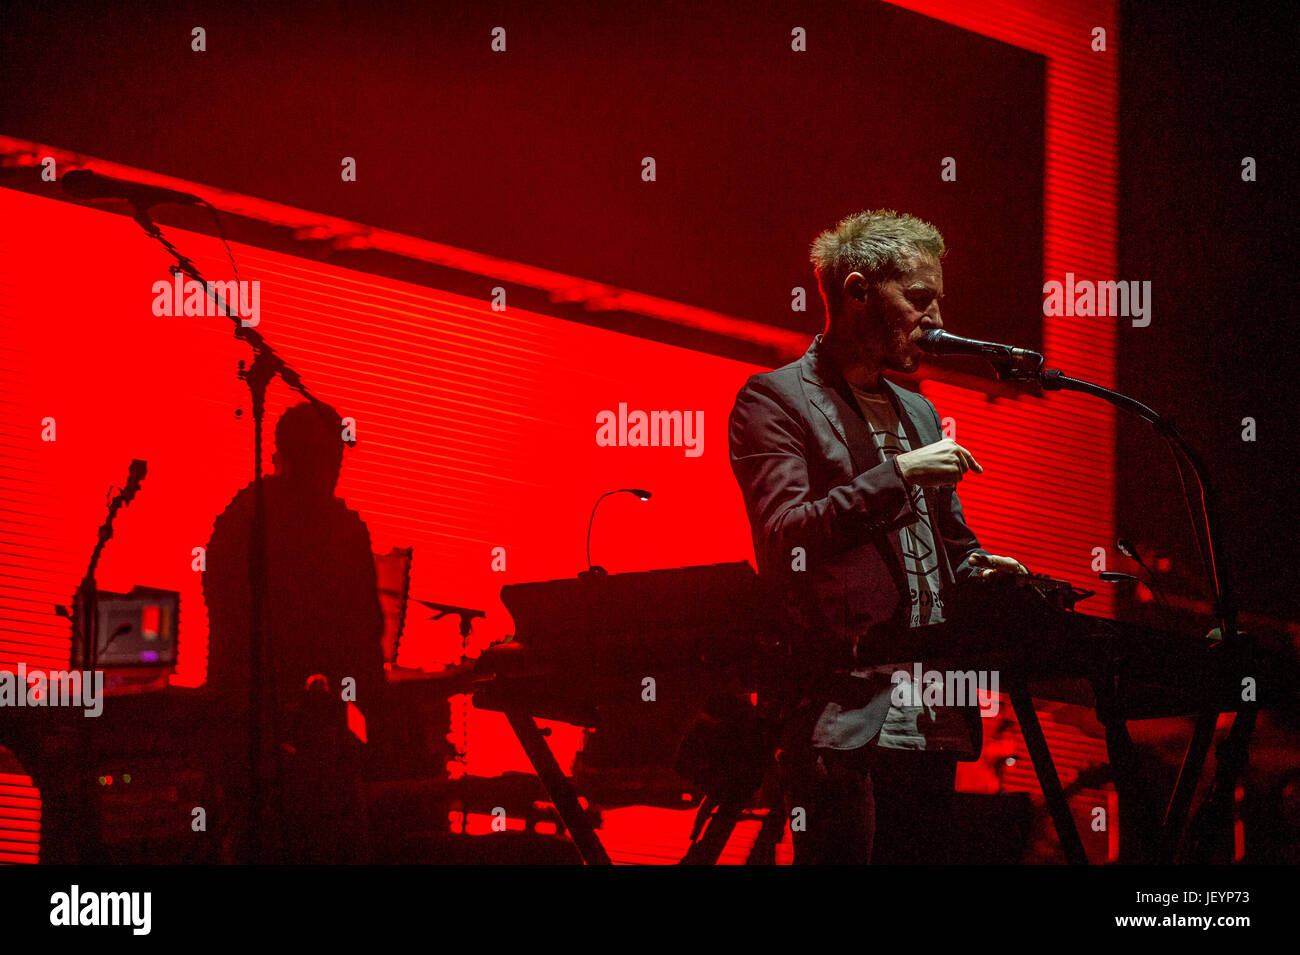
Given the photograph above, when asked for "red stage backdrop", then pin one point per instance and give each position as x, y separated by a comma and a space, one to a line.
477, 428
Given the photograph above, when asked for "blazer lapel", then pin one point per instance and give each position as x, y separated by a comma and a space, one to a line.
827, 390
829, 393
918, 434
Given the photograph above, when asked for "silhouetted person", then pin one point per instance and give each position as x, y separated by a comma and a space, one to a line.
322, 623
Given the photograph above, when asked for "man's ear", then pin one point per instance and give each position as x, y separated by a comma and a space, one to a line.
855, 287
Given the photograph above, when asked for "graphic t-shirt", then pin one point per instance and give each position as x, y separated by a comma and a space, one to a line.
918, 727
916, 541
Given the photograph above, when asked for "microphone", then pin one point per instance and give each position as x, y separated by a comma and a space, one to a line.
1007, 360
84, 184
1125, 547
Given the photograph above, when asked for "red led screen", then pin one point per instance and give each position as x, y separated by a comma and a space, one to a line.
477, 428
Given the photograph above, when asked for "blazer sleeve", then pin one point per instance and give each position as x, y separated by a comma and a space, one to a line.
769, 446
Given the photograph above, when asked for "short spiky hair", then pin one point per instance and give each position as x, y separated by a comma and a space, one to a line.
880, 244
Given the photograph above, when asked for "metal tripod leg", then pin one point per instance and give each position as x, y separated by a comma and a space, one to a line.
1216, 810
1041, 757
558, 787
1198, 747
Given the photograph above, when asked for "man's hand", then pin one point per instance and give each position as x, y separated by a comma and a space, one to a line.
936, 465
990, 564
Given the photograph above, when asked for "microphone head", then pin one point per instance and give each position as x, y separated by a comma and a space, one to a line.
644, 495
932, 340
1125, 547
134, 477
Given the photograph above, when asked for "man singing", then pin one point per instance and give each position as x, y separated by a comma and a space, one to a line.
849, 487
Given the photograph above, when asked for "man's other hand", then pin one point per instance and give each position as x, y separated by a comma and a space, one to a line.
989, 564
935, 465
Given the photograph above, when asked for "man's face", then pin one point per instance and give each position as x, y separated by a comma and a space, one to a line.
905, 308
883, 328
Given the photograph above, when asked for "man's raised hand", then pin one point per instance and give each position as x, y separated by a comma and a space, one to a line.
936, 465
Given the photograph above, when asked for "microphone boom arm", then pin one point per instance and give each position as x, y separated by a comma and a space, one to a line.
1233, 751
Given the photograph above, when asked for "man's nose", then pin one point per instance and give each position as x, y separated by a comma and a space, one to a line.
932, 318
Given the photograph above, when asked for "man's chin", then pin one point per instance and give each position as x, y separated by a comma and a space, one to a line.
904, 365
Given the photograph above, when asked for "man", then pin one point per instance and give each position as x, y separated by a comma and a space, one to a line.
321, 627
849, 487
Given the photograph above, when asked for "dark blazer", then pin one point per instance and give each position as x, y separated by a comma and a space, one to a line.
812, 478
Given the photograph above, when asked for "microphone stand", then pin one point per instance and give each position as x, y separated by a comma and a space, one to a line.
85, 618
1027, 366
266, 365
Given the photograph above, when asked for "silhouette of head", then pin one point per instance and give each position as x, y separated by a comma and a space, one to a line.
309, 448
